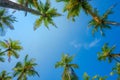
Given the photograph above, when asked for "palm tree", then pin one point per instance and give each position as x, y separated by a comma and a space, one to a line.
22, 70
107, 53
6, 20
13, 5
5, 76
11, 48
68, 73
116, 70
103, 21
73, 7
47, 15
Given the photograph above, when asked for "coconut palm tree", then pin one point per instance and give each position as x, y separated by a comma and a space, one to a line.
103, 21
47, 15
107, 53
22, 70
5, 76
73, 7
11, 47
5, 20
13, 5
68, 73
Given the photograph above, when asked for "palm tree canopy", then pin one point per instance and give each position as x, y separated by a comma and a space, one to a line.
6, 21
66, 60
68, 73
5, 76
96, 77
22, 70
28, 3
12, 47
103, 22
116, 70
47, 15
73, 7
106, 52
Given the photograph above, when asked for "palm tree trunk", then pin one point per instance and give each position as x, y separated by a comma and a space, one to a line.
112, 23
13, 5
95, 17
114, 56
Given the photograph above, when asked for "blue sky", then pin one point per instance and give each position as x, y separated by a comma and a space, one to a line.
74, 38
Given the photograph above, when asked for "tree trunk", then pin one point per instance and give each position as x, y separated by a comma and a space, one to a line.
95, 17
13, 5
115, 55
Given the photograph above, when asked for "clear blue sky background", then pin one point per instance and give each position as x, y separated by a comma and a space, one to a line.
74, 38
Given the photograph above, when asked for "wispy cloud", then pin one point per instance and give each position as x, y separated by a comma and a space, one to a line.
79, 45
75, 44
94, 43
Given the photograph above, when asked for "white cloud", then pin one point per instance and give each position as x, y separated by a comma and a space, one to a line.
94, 43
76, 44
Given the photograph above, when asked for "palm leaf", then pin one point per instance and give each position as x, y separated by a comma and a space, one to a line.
108, 12
2, 59
86, 76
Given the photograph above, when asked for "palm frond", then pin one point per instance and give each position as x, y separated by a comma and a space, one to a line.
2, 59
38, 23
108, 12
86, 76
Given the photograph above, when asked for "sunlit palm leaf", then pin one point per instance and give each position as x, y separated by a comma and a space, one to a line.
86, 76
